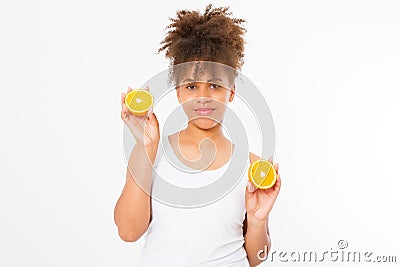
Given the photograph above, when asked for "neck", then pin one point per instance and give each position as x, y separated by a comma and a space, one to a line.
196, 135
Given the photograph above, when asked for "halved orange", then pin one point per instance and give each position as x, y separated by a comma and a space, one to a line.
139, 101
262, 174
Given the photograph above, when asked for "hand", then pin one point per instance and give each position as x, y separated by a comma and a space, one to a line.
145, 128
259, 202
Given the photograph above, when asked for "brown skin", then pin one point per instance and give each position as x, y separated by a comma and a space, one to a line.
186, 145
132, 213
211, 36
255, 227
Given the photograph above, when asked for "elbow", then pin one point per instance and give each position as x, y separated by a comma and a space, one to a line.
130, 230
130, 236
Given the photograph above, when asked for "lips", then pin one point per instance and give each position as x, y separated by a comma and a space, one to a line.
204, 111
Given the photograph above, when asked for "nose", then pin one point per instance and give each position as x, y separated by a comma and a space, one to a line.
203, 100
203, 94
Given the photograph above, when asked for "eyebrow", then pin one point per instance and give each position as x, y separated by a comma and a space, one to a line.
209, 81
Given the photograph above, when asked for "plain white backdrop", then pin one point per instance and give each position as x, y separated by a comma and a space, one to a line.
329, 71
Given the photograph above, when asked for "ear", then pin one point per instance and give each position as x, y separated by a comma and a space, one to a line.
177, 94
232, 93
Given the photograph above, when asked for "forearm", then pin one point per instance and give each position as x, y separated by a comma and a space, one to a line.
257, 239
132, 211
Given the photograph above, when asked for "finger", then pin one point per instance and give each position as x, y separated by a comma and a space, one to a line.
123, 114
122, 98
248, 194
153, 120
147, 88
124, 111
278, 183
151, 110
270, 159
250, 187
276, 166
129, 89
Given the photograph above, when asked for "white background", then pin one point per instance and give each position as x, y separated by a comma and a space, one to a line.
329, 71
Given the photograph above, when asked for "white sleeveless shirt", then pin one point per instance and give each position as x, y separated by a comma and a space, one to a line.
209, 235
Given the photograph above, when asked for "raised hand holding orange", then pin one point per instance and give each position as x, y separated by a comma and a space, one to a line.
142, 124
259, 202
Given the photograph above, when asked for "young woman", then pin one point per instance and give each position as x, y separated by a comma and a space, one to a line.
232, 231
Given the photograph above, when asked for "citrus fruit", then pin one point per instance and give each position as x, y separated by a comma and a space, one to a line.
139, 101
262, 174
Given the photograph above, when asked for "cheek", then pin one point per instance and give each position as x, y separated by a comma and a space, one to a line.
185, 97
222, 98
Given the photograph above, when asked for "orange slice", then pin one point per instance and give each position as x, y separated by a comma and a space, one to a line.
262, 174
139, 101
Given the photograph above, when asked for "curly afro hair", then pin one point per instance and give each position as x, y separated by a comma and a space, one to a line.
211, 36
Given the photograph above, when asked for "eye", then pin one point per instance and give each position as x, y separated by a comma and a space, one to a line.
214, 85
191, 87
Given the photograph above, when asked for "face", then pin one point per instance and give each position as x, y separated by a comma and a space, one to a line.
205, 97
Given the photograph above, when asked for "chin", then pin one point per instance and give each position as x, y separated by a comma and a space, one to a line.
205, 123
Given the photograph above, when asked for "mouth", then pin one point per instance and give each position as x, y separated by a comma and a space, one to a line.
204, 111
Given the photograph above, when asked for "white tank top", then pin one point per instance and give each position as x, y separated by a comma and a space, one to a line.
208, 235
